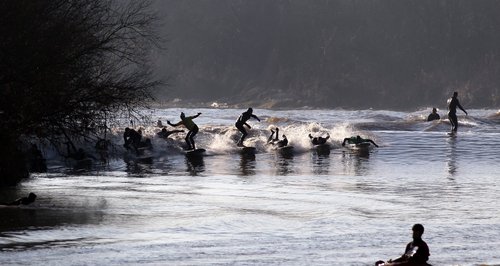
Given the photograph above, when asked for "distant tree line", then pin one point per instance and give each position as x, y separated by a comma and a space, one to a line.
67, 67
334, 53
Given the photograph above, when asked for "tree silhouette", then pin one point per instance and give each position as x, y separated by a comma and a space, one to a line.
67, 67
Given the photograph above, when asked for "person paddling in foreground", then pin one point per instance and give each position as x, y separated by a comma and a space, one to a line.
187, 121
241, 122
416, 252
357, 140
22, 201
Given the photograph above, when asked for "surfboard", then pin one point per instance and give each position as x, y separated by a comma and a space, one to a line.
322, 148
196, 152
248, 150
286, 151
362, 145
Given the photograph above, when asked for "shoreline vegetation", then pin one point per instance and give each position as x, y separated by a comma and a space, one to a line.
68, 70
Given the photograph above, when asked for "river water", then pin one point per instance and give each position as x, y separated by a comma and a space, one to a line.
344, 207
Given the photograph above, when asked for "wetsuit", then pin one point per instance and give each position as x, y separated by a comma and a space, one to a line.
422, 254
187, 121
132, 137
433, 116
318, 140
193, 130
357, 140
452, 113
242, 120
23, 201
354, 140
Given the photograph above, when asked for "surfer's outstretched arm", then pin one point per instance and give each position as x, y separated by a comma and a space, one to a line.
195, 116
254, 116
176, 124
461, 108
372, 142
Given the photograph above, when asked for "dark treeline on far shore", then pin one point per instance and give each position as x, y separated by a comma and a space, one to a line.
66, 69
388, 54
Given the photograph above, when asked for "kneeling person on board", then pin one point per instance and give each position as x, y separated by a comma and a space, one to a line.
357, 140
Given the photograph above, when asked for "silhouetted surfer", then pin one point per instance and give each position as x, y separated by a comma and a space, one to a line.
416, 252
276, 141
22, 201
191, 126
357, 140
453, 103
318, 140
241, 122
132, 139
434, 115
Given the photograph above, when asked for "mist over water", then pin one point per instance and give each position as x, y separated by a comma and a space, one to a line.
344, 207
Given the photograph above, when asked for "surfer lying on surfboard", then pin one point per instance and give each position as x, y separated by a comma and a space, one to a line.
357, 140
24, 200
319, 140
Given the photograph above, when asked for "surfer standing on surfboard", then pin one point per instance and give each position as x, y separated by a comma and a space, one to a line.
241, 122
453, 103
187, 121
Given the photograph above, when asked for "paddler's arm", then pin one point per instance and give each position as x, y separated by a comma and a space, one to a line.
343, 142
372, 142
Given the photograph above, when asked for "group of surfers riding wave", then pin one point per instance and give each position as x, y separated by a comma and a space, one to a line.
133, 139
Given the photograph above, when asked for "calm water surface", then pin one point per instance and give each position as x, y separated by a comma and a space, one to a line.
341, 208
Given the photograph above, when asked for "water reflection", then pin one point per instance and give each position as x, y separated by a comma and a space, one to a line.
195, 165
49, 211
451, 157
139, 168
247, 164
320, 163
284, 163
355, 162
